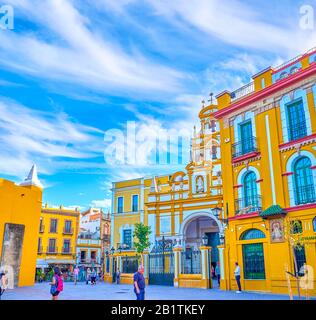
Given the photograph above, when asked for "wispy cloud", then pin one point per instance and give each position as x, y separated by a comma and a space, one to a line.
29, 136
237, 23
72, 50
104, 204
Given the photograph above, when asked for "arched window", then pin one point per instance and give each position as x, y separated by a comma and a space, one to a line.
314, 224
296, 226
252, 234
283, 75
250, 192
294, 70
303, 181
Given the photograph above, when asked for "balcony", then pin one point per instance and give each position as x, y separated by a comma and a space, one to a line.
297, 131
88, 242
52, 250
305, 195
66, 250
68, 231
243, 91
124, 247
244, 147
106, 237
42, 228
248, 205
90, 261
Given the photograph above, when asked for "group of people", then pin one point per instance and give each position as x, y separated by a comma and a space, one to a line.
138, 280
90, 276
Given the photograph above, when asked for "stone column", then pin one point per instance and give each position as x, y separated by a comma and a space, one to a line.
146, 266
206, 264
222, 267
177, 264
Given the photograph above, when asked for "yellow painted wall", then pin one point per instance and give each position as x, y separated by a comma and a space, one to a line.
61, 215
22, 205
276, 254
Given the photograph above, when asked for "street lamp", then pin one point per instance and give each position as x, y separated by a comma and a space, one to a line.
205, 240
216, 211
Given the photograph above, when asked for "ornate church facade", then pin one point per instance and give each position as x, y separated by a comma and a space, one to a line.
252, 173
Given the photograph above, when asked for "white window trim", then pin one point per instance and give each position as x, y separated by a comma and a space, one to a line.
117, 204
135, 194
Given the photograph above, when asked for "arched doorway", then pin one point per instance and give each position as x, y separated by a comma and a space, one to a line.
194, 228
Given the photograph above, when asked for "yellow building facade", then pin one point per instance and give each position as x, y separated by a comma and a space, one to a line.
57, 238
268, 135
20, 207
252, 173
179, 208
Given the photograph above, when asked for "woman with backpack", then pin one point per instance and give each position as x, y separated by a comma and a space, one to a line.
57, 284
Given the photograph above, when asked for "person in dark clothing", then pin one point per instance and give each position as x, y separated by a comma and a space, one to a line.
3, 284
139, 283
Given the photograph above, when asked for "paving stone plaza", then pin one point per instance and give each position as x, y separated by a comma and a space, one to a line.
105, 291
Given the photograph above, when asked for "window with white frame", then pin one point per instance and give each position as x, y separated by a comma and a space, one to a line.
120, 201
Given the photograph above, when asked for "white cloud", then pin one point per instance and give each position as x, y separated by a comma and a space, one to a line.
73, 51
29, 136
236, 23
104, 204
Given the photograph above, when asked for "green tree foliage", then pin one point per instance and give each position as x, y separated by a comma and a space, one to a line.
141, 235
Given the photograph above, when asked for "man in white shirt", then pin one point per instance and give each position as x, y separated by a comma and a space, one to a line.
237, 277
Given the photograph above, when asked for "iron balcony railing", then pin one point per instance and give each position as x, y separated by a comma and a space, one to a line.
243, 91
124, 246
69, 231
90, 261
244, 147
305, 195
52, 250
106, 237
66, 250
248, 204
297, 131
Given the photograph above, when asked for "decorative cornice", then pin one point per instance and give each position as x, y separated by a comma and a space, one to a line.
297, 144
252, 101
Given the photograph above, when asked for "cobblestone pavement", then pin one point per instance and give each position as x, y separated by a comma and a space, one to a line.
105, 291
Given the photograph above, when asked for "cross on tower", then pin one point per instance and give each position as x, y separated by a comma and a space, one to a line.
211, 100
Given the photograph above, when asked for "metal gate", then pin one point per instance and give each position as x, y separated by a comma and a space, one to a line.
161, 265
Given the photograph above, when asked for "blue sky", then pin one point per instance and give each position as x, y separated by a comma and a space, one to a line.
73, 70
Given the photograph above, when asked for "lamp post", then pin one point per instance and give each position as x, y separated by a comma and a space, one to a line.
205, 240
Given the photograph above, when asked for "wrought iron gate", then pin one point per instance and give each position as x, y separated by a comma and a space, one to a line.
161, 265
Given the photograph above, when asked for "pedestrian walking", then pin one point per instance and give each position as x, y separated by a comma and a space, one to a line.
218, 274
88, 276
93, 277
3, 283
57, 284
76, 274
237, 277
118, 276
139, 283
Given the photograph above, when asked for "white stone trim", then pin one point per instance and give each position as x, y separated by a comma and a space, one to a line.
270, 160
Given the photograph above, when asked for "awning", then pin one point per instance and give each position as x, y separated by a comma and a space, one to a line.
272, 211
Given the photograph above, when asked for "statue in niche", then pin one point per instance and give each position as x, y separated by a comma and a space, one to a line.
199, 184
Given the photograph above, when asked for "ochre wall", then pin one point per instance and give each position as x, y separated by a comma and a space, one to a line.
22, 205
